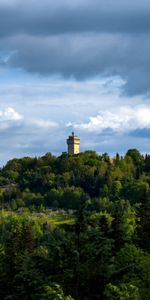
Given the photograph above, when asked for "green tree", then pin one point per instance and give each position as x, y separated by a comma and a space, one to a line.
116, 189
135, 155
143, 222
123, 224
54, 292
124, 291
132, 265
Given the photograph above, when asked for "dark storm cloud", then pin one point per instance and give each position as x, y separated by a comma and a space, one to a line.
84, 56
61, 16
79, 39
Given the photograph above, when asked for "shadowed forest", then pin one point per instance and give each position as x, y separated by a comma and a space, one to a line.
75, 227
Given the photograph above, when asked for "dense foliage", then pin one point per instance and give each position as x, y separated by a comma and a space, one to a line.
103, 252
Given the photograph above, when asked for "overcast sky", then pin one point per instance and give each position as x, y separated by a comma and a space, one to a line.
81, 65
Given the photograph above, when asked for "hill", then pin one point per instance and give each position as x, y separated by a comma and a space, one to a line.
75, 225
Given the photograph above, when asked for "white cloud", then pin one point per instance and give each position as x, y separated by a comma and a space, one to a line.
10, 114
120, 120
8, 118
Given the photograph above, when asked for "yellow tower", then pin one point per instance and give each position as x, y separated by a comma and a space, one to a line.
73, 143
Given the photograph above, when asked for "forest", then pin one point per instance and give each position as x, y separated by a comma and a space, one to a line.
75, 227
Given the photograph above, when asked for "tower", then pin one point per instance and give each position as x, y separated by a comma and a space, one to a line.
73, 143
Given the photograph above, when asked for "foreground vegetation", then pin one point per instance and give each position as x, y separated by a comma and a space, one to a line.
75, 227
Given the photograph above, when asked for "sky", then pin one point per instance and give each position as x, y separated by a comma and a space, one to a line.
81, 66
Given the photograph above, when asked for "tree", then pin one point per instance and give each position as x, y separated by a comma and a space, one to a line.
132, 265
135, 155
123, 224
116, 189
143, 222
54, 292
124, 291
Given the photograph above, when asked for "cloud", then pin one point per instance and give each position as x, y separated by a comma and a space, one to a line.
122, 120
141, 133
48, 104
63, 61
43, 124
85, 56
9, 118
49, 17
80, 39
10, 114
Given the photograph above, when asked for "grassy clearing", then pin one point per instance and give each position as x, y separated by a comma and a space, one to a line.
54, 218
60, 219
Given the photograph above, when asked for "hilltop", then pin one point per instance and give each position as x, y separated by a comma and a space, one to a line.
67, 180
